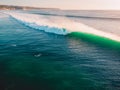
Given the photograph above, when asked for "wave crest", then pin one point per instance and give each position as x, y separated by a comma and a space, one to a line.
59, 25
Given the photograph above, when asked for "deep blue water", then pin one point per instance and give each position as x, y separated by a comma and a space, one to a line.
35, 60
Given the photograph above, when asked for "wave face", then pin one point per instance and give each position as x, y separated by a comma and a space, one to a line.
59, 25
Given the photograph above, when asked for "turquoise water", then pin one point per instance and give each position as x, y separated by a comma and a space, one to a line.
35, 60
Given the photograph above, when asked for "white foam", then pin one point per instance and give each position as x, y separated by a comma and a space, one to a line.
39, 22
59, 25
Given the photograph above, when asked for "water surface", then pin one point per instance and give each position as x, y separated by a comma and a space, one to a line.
36, 60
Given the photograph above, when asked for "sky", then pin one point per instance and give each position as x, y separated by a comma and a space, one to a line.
67, 4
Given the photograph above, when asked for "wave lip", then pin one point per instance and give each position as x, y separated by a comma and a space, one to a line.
59, 25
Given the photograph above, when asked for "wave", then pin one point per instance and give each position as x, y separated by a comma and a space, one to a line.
59, 25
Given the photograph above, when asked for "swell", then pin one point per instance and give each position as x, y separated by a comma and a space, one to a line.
60, 25
80, 16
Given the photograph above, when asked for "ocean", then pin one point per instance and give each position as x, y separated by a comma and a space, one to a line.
59, 50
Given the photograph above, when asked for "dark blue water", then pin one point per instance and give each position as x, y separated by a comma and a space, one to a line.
35, 60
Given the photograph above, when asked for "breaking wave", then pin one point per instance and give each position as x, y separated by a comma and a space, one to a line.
59, 25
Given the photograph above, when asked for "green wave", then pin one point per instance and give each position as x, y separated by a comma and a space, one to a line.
98, 40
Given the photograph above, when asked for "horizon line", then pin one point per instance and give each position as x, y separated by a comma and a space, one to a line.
59, 8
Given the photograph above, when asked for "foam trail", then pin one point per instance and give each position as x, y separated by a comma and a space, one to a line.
59, 25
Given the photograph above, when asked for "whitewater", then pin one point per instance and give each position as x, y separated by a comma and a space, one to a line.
59, 25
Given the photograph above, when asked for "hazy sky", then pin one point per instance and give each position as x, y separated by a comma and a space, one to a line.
67, 4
